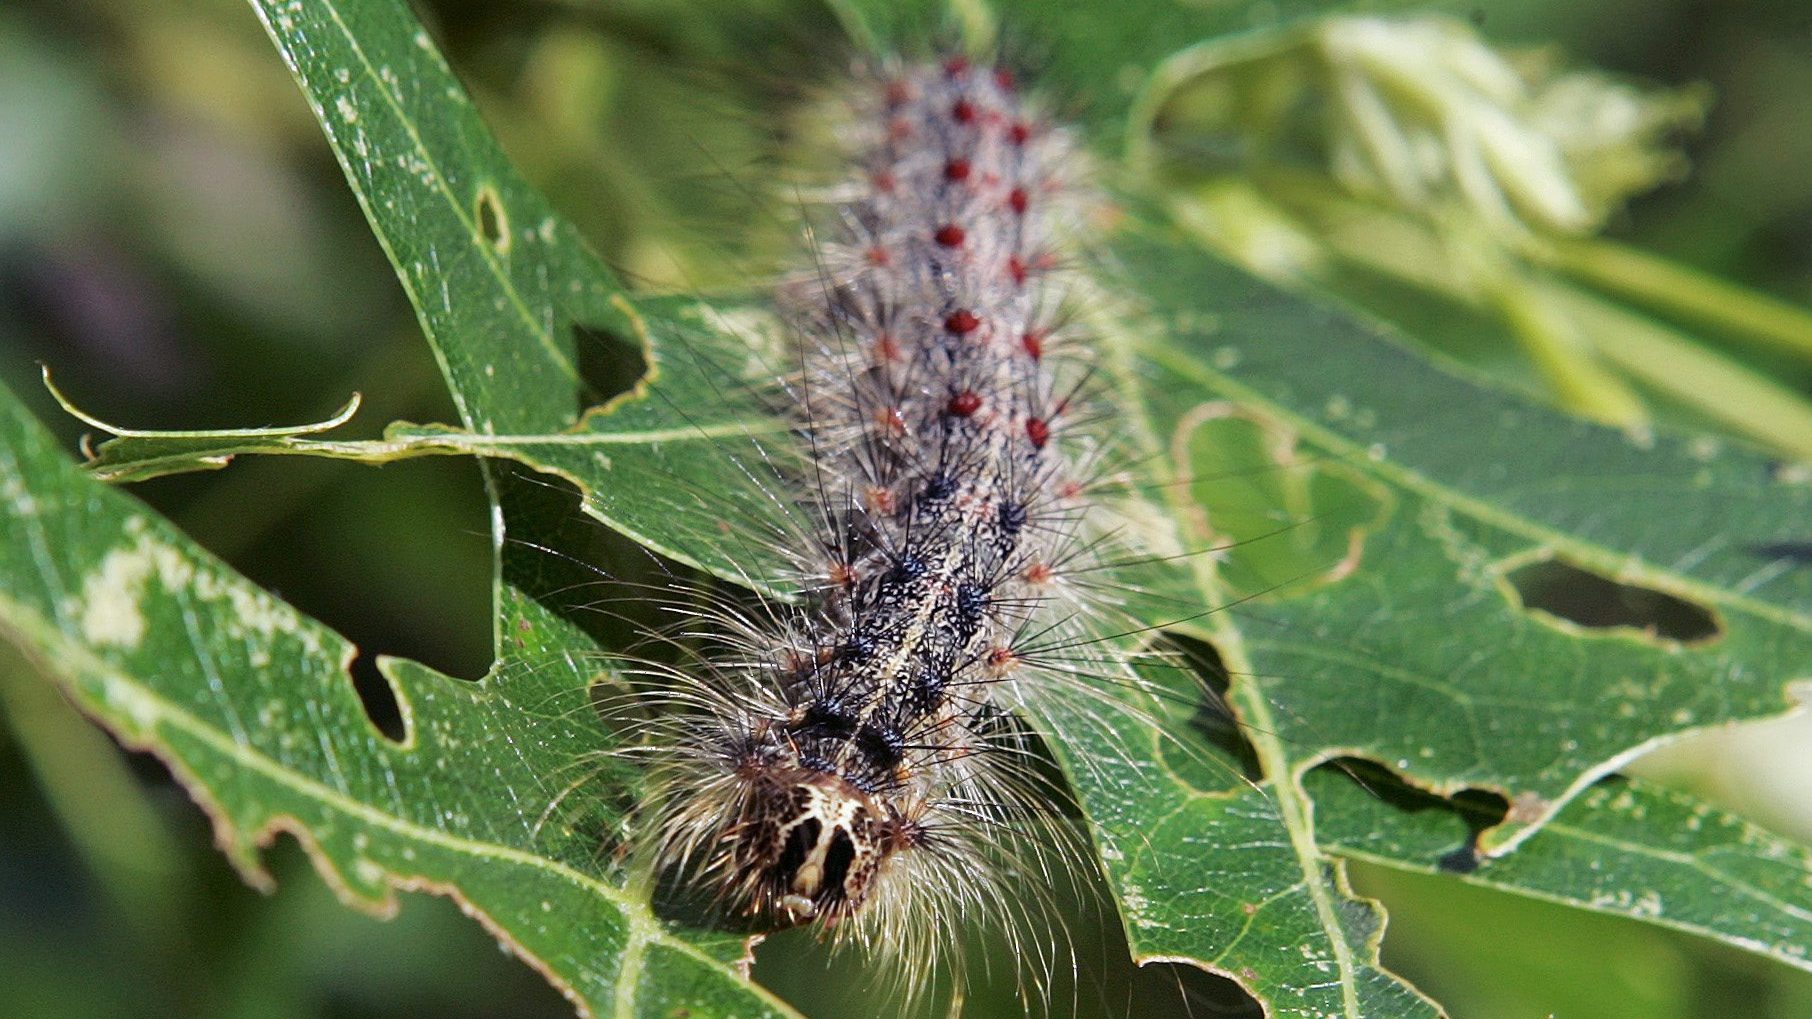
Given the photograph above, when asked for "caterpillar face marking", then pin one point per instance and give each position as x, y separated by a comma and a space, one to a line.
813, 844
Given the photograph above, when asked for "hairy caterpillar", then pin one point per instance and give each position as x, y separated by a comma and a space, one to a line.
860, 763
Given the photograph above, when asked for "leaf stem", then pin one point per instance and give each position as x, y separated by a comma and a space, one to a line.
1562, 353
1742, 399
1669, 286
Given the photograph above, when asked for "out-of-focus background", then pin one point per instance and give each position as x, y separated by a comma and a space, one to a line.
178, 244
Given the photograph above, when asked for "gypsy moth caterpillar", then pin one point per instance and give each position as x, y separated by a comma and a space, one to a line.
860, 766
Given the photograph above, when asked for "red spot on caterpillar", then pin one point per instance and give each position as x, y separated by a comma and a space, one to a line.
883, 182
949, 235
887, 350
841, 574
1004, 78
897, 93
962, 321
1017, 200
879, 256
956, 170
1039, 431
890, 421
1019, 132
1038, 573
879, 500
962, 111
899, 129
1033, 342
956, 67
1001, 660
1069, 490
1016, 268
964, 403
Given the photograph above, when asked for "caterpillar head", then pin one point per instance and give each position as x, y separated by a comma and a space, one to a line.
810, 845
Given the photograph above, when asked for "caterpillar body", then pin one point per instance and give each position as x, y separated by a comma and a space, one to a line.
863, 764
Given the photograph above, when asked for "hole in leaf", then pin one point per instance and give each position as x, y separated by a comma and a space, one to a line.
609, 363
576, 567
1192, 991
396, 561
378, 698
1482, 810
493, 222
489, 982
1354, 798
1464, 860
1191, 672
1587, 599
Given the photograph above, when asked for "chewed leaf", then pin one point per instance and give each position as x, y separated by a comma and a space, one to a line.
1377, 609
251, 705
1484, 484
135, 454
700, 459
1290, 521
1624, 848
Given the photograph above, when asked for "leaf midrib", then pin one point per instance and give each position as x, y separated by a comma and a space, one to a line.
1294, 810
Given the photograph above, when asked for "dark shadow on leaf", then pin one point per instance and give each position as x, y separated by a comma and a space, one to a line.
1588, 599
1799, 553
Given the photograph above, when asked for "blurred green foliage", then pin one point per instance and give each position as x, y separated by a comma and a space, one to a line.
176, 239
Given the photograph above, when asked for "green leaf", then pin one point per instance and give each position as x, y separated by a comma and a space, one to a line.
1624, 848
251, 705
267, 732
514, 303
1460, 685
